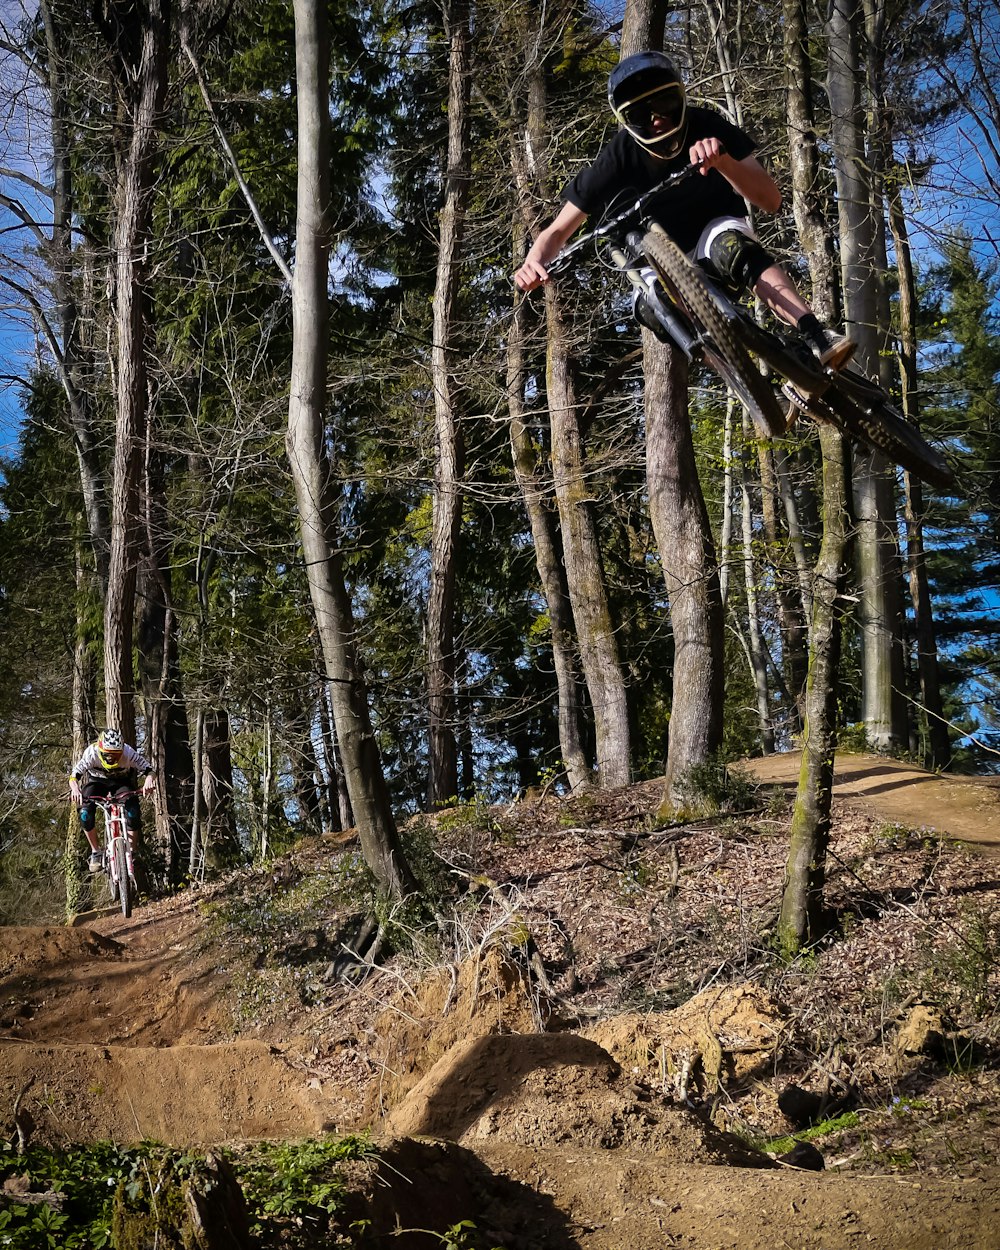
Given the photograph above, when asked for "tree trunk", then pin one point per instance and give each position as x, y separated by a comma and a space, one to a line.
219, 839
84, 727
728, 495
139, 37
881, 652
529, 165
167, 741
938, 752
800, 920
310, 466
546, 561
802, 898
302, 760
758, 653
449, 469
582, 554
809, 205
73, 362
680, 524
793, 585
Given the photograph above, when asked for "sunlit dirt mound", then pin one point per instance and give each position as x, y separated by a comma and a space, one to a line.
484, 995
182, 1095
555, 1089
718, 1039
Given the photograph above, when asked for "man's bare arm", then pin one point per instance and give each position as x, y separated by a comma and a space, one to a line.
565, 223
748, 177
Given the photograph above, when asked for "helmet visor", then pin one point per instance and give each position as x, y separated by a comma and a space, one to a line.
655, 114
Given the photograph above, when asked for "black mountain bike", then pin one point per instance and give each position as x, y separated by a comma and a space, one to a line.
705, 323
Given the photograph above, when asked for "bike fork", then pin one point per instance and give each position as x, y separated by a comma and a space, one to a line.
675, 326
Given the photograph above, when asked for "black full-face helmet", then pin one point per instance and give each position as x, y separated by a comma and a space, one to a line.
647, 96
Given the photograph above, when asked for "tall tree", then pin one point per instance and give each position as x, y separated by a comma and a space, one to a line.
310, 464
680, 524
442, 754
137, 36
883, 708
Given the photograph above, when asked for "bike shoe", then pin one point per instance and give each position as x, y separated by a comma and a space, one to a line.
833, 351
95, 862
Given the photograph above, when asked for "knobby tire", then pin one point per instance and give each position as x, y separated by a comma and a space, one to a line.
856, 405
870, 419
121, 872
730, 358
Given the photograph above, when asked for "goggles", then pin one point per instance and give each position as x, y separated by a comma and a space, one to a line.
655, 114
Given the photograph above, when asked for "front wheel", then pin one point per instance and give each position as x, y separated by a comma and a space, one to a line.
725, 353
121, 873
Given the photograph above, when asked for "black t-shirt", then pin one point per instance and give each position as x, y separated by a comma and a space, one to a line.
624, 170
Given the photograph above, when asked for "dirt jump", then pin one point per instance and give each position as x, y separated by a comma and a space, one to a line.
543, 1116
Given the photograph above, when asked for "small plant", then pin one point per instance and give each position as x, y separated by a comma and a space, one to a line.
637, 875
461, 1236
970, 962
714, 787
902, 1106
296, 1187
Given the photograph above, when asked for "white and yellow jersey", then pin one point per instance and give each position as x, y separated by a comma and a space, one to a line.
90, 768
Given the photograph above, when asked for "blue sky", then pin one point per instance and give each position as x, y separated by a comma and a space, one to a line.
21, 150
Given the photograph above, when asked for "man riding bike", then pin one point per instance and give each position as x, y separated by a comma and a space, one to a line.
705, 216
109, 767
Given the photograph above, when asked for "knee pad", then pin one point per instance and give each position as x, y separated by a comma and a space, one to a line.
738, 260
132, 813
87, 817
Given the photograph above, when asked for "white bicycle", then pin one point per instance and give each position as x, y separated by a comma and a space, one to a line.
118, 850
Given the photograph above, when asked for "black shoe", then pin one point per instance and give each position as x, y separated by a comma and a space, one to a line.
832, 350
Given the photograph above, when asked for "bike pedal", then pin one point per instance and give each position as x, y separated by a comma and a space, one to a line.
798, 402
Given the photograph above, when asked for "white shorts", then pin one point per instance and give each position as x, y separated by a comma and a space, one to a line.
714, 228
708, 236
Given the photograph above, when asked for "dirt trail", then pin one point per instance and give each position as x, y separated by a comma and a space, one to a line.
967, 808
122, 1029
123, 1032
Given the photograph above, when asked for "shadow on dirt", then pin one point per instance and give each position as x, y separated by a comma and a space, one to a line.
422, 1188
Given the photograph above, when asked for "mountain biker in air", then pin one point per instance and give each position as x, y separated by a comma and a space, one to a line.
705, 216
108, 767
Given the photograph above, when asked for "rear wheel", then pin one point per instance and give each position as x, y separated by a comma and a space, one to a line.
121, 872
726, 353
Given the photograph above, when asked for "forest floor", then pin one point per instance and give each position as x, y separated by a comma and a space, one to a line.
614, 1049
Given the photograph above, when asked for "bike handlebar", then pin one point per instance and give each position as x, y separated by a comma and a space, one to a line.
107, 800
617, 223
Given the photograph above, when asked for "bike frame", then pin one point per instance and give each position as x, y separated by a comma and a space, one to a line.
793, 361
116, 833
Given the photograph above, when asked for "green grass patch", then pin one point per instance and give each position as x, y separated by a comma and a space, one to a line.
781, 1145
